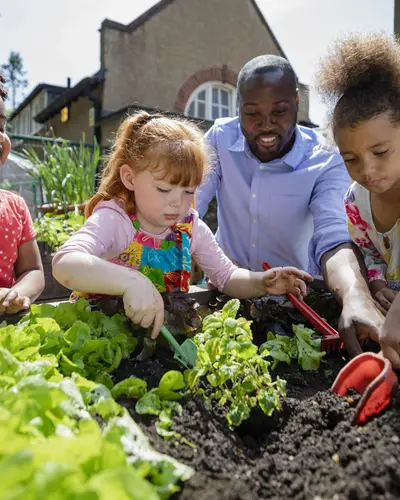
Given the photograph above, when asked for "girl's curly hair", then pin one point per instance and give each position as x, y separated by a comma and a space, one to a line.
360, 78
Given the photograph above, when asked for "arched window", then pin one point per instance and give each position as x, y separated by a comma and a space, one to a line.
212, 100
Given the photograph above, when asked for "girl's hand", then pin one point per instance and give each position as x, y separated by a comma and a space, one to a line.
5, 147
283, 280
11, 302
144, 305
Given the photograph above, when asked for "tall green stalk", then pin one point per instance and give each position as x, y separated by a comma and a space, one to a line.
66, 173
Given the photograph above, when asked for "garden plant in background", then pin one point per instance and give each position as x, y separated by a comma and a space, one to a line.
55, 229
66, 173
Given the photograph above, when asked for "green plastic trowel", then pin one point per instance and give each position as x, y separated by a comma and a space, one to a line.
185, 353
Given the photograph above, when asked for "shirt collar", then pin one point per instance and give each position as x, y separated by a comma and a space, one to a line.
239, 144
292, 158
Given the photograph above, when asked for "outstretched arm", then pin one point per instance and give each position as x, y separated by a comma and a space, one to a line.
340, 261
29, 280
345, 274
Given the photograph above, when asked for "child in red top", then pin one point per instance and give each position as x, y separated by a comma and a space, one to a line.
21, 271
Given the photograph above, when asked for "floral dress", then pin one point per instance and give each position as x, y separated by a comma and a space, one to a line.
166, 262
381, 251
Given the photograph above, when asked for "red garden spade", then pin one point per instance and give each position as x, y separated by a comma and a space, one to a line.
330, 337
373, 378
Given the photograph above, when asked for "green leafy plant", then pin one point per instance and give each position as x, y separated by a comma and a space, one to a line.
237, 374
63, 436
55, 230
83, 341
303, 347
66, 173
162, 401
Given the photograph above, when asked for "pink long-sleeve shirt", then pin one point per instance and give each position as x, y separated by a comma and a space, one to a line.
109, 231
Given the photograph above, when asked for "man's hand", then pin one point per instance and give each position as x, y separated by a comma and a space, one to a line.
360, 320
11, 302
346, 276
389, 336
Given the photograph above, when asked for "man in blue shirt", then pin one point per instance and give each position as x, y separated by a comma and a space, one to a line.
280, 192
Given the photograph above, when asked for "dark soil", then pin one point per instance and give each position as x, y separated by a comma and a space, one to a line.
308, 451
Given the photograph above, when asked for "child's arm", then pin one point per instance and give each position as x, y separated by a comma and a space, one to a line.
29, 279
28, 267
242, 283
87, 273
81, 265
374, 262
389, 337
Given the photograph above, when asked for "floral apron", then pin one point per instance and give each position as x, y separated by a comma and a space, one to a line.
167, 263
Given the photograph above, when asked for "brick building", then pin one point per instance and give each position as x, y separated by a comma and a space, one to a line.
181, 56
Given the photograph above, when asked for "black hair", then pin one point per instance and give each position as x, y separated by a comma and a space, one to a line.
265, 64
360, 79
3, 90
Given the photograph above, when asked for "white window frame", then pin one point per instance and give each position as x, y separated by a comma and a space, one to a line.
208, 88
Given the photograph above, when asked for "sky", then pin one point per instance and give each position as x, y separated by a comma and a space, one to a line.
59, 39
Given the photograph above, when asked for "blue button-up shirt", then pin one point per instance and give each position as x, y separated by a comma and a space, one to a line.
288, 211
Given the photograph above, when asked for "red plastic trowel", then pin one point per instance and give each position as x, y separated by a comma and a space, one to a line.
371, 376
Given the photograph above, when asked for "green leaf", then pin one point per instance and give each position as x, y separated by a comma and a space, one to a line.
212, 348
215, 379
279, 348
77, 335
229, 371
245, 350
105, 379
309, 349
231, 308
149, 404
249, 384
132, 387
212, 322
237, 414
193, 376
230, 325
268, 401
123, 483
172, 381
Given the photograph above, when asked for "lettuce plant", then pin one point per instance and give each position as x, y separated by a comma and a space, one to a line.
303, 346
63, 436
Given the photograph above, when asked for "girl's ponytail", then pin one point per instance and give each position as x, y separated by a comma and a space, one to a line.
122, 153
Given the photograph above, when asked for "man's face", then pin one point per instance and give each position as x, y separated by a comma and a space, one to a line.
268, 114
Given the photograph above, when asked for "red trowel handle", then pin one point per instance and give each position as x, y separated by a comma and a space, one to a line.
320, 325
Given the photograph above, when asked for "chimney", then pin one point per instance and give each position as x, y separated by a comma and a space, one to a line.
68, 82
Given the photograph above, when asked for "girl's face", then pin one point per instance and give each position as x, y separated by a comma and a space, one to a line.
159, 204
5, 144
371, 152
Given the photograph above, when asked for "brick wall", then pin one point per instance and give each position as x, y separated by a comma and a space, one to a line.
156, 64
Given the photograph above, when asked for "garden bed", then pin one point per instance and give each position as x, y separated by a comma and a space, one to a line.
309, 450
